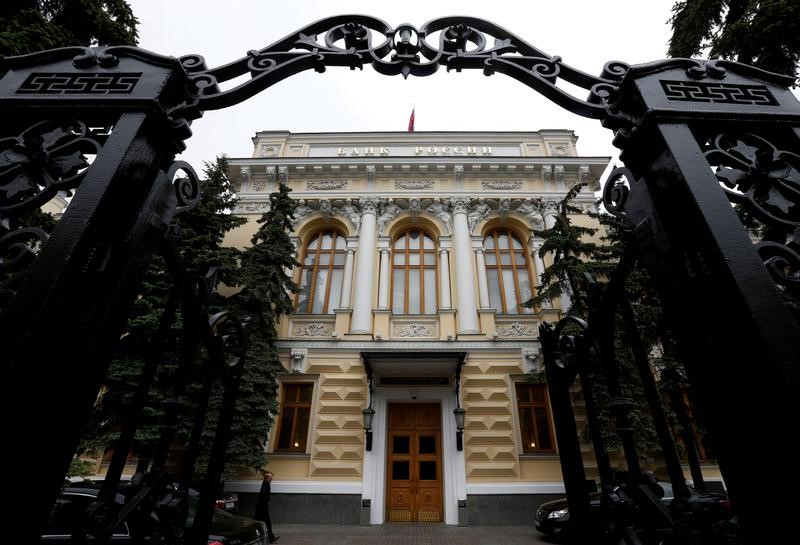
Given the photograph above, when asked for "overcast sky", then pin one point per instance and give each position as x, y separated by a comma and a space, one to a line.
585, 33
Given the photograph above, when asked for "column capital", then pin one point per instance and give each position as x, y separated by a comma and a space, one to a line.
550, 207
369, 205
460, 205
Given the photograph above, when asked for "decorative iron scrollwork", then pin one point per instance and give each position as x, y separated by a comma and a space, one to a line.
462, 42
230, 332
187, 187
783, 263
616, 189
765, 182
759, 176
48, 157
18, 249
566, 334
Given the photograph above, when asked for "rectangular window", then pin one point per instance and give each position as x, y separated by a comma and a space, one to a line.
295, 414
534, 417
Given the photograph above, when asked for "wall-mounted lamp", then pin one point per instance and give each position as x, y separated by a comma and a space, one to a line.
459, 414
366, 416
368, 413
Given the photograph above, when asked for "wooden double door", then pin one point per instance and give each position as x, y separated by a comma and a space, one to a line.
414, 463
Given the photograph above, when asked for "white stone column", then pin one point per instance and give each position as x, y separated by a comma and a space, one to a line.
444, 279
483, 285
361, 322
347, 280
383, 281
465, 269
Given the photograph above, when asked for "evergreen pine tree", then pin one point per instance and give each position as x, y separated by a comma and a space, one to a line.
764, 33
27, 26
201, 232
573, 255
266, 294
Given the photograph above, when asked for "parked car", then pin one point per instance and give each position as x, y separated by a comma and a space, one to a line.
552, 518
73, 501
228, 501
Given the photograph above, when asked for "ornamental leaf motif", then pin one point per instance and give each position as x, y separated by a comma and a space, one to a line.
759, 176
48, 157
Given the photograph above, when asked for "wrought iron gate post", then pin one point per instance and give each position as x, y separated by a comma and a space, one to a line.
698, 136
63, 314
561, 371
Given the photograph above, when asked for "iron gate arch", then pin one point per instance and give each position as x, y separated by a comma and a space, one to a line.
673, 120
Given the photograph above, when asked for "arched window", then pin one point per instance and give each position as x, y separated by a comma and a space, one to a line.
508, 272
413, 273
321, 275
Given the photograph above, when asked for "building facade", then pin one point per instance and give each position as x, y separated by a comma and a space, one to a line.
416, 254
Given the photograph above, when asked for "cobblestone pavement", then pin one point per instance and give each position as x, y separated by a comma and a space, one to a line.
407, 534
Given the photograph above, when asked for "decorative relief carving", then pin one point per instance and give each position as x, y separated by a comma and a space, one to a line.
549, 207
313, 329
440, 210
259, 186
283, 174
269, 151
503, 207
559, 173
370, 176
500, 185
414, 207
458, 172
547, 173
271, 174
459, 204
245, 172
298, 360
532, 210
251, 208
515, 329
301, 211
330, 185
531, 362
412, 330
559, 149
717, 93
369, 205
388, 211
350, 210
325, 208
478, 211
414, 185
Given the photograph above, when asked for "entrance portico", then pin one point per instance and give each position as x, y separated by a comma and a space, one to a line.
396, 390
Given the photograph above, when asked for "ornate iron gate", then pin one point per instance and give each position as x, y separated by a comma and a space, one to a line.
695, 136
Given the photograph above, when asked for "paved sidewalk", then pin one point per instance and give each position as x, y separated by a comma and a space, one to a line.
407, 534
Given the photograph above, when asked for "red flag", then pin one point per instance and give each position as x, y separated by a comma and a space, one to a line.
411, 121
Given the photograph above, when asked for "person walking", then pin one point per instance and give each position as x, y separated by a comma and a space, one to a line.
262, 506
